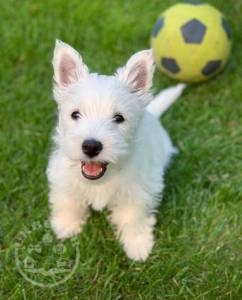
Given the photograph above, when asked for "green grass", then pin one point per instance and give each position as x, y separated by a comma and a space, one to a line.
198, 250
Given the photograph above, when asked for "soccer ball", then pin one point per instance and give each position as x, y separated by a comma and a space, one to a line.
191, 41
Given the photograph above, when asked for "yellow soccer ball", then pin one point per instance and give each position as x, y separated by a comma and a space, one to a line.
191, 41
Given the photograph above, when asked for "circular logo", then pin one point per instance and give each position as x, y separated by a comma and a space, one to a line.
42, 260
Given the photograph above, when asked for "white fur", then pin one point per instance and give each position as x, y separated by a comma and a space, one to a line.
138, 150
165, 99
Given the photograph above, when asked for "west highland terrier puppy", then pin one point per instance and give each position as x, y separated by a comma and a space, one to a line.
110, 148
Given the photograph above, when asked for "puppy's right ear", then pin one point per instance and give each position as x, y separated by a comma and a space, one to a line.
68, 65
137, 74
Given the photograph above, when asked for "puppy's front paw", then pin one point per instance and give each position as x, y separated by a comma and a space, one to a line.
138, 247
65, 226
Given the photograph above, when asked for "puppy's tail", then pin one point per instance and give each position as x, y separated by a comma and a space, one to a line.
165, 99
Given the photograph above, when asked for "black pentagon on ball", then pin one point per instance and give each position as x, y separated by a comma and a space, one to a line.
193, 31
194, 2
211, 67
170, 65
157, 27
227, 28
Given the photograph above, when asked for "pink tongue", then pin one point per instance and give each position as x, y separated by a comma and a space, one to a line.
92, 168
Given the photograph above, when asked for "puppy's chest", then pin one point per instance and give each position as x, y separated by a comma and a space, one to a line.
99, 197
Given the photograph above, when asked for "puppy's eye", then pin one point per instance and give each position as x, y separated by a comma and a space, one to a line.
75, 115
118, 118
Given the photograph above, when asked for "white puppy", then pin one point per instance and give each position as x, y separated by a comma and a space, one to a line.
110, 149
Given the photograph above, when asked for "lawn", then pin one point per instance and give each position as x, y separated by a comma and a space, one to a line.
198, 250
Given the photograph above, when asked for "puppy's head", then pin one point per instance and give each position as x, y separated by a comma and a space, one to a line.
99, 115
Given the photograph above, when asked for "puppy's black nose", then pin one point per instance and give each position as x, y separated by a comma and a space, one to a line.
92, 147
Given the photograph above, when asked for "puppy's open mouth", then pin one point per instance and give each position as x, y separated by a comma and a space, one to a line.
93, 169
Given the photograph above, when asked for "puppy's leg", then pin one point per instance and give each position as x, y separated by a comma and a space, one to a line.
134, 226
68, 214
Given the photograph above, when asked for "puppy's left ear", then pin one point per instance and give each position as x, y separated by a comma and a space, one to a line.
68, 65
137, 74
